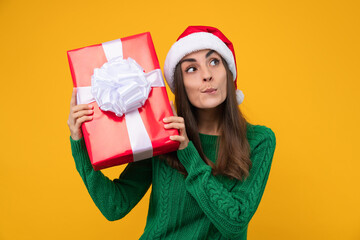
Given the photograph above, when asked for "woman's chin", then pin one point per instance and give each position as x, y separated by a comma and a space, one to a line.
209, 103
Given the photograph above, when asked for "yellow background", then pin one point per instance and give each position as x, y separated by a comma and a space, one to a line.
298, 66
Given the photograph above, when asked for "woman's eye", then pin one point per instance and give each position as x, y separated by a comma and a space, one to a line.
214, 62
190, 69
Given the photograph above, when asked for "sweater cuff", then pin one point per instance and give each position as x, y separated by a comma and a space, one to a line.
77, 146
80, 153
191, 160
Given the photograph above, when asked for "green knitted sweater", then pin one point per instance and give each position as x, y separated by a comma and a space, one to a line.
199, 206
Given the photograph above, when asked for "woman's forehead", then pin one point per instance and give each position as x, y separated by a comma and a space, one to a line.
200, 54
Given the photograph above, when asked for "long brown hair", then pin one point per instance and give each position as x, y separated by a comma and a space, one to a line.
233, 147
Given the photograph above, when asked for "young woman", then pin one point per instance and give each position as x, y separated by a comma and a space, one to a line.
212, 185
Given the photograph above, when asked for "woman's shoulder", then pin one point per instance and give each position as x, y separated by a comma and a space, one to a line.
259, 134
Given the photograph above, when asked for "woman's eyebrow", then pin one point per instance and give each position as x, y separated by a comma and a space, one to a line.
193, 60
187, 60
209, 53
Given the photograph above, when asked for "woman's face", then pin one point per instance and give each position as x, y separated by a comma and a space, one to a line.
204, 77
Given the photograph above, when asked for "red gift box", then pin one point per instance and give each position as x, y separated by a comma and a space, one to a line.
107, 136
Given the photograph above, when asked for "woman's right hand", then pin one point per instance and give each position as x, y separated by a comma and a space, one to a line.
78, 114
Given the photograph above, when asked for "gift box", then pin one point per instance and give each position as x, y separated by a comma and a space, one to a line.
112, 137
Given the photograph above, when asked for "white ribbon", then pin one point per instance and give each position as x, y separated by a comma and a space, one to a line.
113, 49
139, 139
85, 96
121, 86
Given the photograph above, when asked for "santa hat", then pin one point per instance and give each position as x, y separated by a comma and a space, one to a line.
196, 38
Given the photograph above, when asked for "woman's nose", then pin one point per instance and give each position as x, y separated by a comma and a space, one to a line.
207, 76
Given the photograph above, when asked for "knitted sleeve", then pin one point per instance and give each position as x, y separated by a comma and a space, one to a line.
230, 210
114, 198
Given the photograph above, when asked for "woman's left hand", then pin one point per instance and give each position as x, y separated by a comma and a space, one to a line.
178, 123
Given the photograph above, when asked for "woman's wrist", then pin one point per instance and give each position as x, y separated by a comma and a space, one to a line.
76, 136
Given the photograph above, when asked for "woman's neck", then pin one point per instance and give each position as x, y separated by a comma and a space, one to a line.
209, 120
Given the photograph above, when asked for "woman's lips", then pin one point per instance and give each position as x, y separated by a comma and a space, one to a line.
210, 90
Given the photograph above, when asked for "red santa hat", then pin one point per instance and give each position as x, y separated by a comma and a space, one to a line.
196, 38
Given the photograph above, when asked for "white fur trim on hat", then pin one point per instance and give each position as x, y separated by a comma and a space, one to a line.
192, 43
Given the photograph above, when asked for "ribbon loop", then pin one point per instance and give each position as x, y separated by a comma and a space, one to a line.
120, 86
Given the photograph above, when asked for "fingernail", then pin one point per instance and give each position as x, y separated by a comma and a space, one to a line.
164, 119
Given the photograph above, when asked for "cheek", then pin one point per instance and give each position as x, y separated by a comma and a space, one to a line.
191, 86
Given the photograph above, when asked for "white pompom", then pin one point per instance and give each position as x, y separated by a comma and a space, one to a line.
239, 96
